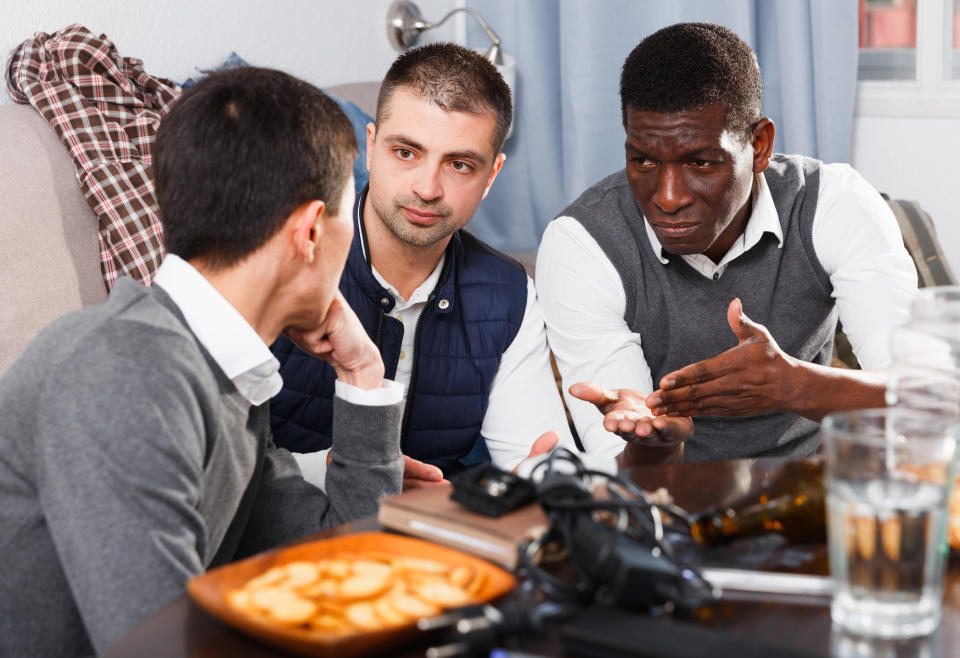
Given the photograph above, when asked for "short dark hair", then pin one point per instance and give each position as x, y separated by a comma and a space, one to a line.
691, 65
453, 78
237, 153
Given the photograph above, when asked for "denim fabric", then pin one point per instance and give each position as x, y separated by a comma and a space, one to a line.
358, 119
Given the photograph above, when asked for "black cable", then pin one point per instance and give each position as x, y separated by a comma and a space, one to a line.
571, 508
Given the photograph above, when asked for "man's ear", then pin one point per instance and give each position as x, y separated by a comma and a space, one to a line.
306, 229
763, 134
371, 138
497, 164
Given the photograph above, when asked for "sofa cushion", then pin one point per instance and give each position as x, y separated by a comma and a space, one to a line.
49, 250
49, 254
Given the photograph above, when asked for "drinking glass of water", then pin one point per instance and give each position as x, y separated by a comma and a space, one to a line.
889, 473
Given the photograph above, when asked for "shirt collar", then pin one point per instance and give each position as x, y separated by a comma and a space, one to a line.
763, 219
423, 290
223, 332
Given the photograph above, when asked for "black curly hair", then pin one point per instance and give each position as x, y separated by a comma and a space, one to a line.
689, 66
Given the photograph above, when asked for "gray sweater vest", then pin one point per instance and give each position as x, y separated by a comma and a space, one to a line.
681, 315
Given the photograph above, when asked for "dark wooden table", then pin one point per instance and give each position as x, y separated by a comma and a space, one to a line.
182, 630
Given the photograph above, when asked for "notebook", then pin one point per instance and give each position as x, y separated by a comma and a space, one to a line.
429, 513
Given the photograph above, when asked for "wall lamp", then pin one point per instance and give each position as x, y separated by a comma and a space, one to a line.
405, 23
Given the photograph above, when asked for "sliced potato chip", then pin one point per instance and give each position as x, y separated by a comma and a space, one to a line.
364, 585
388, 612
283, 605
239, 599
327, 622
338, 569
300, 574
410, 605
372, 566
351, 593
442, 594
269, 577
325, 587
363, 616
461, 575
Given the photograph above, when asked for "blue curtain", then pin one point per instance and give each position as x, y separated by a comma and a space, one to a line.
568, 132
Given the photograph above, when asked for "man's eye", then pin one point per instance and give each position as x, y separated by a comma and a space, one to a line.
641, 161
701, 164
460, 166
404, 154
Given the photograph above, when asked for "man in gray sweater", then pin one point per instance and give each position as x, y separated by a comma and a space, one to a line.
135, 448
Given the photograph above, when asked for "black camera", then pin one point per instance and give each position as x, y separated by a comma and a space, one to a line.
490, 491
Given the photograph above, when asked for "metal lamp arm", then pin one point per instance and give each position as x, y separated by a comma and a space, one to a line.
483, 24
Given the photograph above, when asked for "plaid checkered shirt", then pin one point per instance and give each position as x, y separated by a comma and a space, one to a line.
106, 111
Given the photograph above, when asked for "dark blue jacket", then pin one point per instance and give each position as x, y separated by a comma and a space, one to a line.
471, 317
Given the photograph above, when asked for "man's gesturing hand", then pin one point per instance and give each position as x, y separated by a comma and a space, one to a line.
649, 439
342, 342
625, 413
754, 377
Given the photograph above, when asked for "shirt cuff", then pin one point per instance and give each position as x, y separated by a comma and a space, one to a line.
313, 467
390, 393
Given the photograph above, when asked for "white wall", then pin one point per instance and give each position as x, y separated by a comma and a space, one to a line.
323, 41
918, 159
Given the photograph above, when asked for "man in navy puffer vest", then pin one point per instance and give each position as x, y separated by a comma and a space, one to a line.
456, 322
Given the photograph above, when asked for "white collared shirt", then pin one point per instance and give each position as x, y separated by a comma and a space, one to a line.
855, 237
408, 311
234, 345
223, 332
763, 219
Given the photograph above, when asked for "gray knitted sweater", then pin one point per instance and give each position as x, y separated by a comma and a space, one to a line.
129, 462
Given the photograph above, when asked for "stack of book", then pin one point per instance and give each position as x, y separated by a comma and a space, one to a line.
429, 513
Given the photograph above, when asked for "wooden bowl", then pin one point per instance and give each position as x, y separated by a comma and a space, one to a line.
209, 591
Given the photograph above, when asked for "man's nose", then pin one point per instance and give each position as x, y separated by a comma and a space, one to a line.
427, 184
671, 194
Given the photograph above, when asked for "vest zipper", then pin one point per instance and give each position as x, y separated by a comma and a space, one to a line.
413, 372
378, 333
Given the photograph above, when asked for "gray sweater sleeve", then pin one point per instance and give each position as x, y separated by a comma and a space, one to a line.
366, 465
119, 469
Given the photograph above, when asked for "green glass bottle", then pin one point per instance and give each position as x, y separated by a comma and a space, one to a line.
793, 504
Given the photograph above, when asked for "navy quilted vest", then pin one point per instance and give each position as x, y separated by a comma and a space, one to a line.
471, 317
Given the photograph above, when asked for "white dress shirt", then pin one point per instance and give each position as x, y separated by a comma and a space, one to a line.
523, 402
855, 237
234, 345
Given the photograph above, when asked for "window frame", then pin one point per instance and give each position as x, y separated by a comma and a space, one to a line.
932, 93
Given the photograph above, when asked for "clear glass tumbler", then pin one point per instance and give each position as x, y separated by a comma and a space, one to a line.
889, 473
926, 353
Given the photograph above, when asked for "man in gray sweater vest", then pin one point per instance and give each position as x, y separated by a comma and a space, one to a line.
646, 279
135, 447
